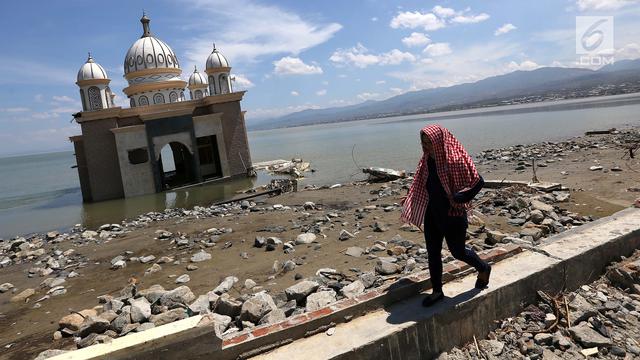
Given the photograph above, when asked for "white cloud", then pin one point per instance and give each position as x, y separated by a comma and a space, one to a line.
380, 82
38, 97
360, 57
368, 96
470, 19
439, 18
526, 65
416, 19
584, 5
396, 91
504, 29
343, 76
248, 30
295, 93
416, 39
294, 66
437, 49
322, 92
443, 11
14, 109
628, 51
63, 98
427, 61
374, 19
241, 82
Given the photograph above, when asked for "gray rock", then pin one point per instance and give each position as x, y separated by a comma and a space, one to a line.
140, 310
560, 341
274, 316
536, 216
168, 317
179, 295
301, 290
120, 264
201, 305
259, 242
320, 299
249, 284
200, 256
581, 309
118, 324
153, 293
153, 269
493, 347
6, 287
345, 235
257, 307
534, 232
228, 306
145, 326
386, 268
220, 322
183, 279
288, 266
306, 238
354, 289
354, 251
368, 279
23, 295
93, 324
377, 227
225, 285
539, 205
146, 259
588, 337
543, 339
494, 237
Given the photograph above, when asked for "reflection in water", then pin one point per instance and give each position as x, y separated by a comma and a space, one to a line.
114, 211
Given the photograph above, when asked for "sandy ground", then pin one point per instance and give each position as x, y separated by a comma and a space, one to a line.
25, 331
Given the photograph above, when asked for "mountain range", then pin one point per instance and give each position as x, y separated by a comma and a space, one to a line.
543, 82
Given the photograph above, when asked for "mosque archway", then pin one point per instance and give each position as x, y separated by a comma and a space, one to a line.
177, 165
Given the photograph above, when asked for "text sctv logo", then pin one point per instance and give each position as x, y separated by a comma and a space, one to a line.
594, 35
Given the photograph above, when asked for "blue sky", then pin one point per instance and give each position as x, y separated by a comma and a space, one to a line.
289, 55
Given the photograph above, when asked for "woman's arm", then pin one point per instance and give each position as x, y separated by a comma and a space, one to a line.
468, 195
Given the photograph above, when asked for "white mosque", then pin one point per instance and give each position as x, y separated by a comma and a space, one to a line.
118, 153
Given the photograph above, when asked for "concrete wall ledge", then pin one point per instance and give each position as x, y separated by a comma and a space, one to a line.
406, 330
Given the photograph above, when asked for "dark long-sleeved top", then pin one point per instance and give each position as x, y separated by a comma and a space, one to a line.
438, 200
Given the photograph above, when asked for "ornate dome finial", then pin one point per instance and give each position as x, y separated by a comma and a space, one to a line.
146, 32
89, 58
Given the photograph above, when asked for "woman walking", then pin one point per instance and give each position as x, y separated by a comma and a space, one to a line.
440, 197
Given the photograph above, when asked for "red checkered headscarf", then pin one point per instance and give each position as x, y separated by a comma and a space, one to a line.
456, 171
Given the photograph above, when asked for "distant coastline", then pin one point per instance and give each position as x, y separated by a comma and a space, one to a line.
496, 109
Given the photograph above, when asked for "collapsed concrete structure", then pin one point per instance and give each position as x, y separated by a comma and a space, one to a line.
162, 141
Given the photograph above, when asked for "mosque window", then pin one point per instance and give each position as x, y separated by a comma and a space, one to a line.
95, 100
132, 102
173, 96
198, 94
224, 85
138, 156
158, 98
143, 100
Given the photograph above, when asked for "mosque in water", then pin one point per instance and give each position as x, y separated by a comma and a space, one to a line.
119, 153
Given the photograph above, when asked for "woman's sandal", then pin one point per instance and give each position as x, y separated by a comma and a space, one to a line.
483, 279
432, 298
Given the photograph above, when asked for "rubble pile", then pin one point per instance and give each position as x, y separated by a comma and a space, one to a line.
603, 321
546, 153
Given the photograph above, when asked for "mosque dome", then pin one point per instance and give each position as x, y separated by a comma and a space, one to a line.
149, 52
91, 70
197, 79
216, 60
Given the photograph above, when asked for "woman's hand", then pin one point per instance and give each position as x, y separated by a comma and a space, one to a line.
403, 199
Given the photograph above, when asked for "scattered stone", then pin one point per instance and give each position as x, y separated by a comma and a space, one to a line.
306, 238
153, 269
354, 289
93, 324
345, 235
6, 287
588, 337
301, 290
23, 296
140, 310
386, 268
168, 317
354, 251
225, 285
183, 279
256, 307
320, 299
200, 256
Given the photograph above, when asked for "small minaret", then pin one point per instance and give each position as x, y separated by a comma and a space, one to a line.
218, 70
94, 86
198, 85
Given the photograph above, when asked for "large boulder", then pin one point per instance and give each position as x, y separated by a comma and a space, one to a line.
93, 325
225, 285
140, 310
228, 306
168, 317
301, 290
588, 337
177, 296
257, 307
320, 299
354, 289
